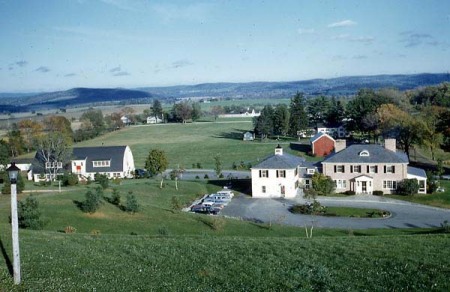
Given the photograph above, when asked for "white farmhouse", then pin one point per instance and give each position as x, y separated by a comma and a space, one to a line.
280, 176
113, 161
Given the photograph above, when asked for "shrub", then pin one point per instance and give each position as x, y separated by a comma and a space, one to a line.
92, 202
115, 198
350, 193
176, 204
322, 184
29, 214
432, 183
163, 230
132, 205
69, 179
445, 226
206, 176
95, 232
70, 229
197, 177
199, 165
408, 187
378, 193
221, 175
102, 179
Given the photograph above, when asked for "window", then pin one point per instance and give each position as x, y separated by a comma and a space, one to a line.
390, 184
339, 168
53, 165
307, 184
364, 153
340, 183
281, 173
389, 169
263, 173
102, 163
355, 168
263, 189
311, 171
372, 169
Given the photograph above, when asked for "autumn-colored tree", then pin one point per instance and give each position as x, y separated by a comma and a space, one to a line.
398, 123
216, 111
430, 137
59, 124
30, 130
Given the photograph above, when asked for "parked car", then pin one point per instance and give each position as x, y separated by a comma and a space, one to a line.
141, 173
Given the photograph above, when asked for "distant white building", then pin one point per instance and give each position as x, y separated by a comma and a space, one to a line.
247, 114
125, 120
154, 120
335, 131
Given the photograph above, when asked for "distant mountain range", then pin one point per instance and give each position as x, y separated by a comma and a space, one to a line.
14, 102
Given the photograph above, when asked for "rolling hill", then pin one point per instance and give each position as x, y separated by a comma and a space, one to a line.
334, 86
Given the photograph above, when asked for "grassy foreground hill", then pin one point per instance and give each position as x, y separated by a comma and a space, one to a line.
80, 262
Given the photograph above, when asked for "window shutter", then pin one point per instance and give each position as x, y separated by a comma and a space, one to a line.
393, 169
278, 173
368, 169
351, 168
260, 174
376, 168
385, 169
343, 168
335, 169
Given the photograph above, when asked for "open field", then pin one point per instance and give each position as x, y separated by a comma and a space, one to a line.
186, 144
78, 262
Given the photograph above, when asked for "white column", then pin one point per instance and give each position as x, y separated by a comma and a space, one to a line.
15, 234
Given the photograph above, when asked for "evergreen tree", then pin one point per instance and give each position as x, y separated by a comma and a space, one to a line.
298, 120
264, 123
280, 120
157, 110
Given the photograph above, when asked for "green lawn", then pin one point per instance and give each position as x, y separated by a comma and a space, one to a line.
186, 144
76, 262
436, 199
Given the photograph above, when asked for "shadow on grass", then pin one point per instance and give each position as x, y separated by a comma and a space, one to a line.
7, 259
305, 148
79, 204
236, 134
239, 185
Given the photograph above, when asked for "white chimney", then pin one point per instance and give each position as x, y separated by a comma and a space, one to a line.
390, 144
278, 150
340, 145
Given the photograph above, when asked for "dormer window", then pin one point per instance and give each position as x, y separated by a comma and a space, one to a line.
364, 153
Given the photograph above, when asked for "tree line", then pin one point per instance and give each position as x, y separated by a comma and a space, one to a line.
414, 117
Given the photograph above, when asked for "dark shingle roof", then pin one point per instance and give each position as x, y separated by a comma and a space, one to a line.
284, 161
318, 135
377, 154
114, 154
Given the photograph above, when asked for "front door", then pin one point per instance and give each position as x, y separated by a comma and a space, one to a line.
364, 187
283, 191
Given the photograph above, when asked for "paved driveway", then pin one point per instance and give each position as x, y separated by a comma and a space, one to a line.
403, 214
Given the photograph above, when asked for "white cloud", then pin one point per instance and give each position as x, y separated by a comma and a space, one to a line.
350, 38
342, 23
306, 31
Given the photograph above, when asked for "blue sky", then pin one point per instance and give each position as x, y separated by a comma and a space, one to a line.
56, 45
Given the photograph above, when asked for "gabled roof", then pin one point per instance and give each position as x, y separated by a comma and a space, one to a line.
114, 154
377, 154
318, 136
284, 161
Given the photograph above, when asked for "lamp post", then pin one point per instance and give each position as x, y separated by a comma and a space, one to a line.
13, 172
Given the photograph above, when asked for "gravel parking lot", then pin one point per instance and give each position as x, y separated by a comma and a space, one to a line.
403, 214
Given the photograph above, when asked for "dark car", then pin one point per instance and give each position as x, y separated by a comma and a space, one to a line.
141, 173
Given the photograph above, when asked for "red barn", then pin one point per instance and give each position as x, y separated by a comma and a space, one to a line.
322, 144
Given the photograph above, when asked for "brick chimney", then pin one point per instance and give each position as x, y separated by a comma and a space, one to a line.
390, 144
278, 150
340, 145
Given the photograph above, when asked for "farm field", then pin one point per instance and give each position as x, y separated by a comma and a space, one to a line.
192, 143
